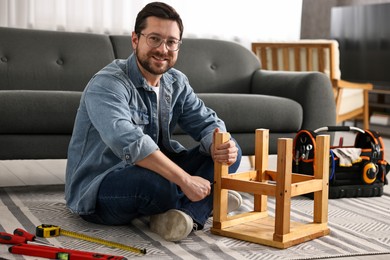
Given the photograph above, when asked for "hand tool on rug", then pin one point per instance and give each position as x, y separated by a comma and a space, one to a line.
46, 230
29, 237
7, 238
59, 253
20, 238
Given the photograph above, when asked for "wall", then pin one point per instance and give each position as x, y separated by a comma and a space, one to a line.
315, 21
243, 21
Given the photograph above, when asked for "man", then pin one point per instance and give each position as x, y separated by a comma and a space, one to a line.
122, 162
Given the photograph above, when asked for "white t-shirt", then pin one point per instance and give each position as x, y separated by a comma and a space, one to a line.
157, 91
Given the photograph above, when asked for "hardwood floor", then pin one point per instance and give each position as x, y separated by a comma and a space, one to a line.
32, 172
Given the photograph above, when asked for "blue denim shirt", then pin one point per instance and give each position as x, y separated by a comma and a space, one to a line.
117, 125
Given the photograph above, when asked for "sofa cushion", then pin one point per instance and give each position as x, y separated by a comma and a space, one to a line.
38, 112
243, 113
51, 60
121, 45
218, 66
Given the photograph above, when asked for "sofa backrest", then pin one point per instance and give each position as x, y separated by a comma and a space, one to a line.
212, 66
215, 66
50, 60
66, 61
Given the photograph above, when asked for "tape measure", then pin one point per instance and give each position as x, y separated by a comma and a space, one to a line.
45, 231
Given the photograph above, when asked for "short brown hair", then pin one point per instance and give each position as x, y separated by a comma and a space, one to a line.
160, 10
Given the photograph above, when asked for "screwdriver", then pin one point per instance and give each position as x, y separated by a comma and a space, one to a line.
28, 236
6, 238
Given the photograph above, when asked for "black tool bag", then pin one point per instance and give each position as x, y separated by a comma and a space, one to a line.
365, 176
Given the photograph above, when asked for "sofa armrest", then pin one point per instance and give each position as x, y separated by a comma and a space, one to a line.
313, 90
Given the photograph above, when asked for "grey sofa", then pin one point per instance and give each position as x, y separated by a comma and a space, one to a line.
42, 75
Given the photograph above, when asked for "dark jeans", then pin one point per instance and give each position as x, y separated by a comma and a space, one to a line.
135, 191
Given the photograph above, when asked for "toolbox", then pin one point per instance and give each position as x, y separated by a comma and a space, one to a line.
357, 170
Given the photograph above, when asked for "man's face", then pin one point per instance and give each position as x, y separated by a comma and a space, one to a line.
155, 61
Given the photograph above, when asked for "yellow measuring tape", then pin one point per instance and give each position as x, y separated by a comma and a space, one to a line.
45, 230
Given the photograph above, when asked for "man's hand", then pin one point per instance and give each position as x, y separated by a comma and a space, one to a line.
196, 188
225, 153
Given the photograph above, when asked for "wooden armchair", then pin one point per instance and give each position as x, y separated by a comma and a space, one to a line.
323, 56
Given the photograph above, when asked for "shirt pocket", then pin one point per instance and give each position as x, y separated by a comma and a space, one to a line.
139, 118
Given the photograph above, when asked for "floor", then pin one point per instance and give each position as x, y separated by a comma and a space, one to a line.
48, 172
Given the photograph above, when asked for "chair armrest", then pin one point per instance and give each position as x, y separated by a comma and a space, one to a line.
347, 84
312, 90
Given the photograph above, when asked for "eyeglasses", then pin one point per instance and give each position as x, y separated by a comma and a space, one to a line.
154, 41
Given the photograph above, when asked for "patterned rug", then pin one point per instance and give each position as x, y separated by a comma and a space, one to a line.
359, 226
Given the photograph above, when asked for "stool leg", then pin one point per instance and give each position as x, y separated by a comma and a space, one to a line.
261, 165
321, 171
220, 200
283, 189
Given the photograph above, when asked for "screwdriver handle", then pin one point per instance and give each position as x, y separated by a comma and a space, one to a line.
25, 234
6, 238
28, 236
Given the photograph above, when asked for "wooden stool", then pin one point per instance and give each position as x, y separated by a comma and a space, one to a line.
256, 226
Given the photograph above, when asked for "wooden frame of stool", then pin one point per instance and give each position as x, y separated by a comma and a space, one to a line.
257, 226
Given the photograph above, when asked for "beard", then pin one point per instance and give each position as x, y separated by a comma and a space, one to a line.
148, 64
